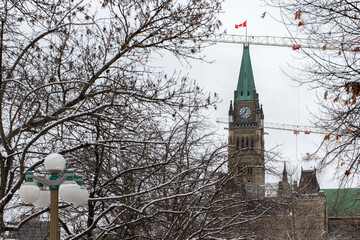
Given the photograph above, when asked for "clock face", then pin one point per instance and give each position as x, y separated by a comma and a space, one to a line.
245, 112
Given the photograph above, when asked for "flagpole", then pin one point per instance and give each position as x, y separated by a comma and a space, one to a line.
246, 32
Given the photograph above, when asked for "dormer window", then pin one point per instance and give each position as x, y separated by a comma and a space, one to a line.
241, 93
248, 93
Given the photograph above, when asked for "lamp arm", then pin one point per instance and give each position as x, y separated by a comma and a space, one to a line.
53, 182
42, 180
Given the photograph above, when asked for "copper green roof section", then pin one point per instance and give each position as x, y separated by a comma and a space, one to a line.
343, 202
246, 84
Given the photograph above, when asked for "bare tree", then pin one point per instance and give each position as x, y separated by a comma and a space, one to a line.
76, 78
335, 24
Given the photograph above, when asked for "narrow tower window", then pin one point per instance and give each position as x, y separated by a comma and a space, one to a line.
252, 142
247, 142
242, 143
237, 143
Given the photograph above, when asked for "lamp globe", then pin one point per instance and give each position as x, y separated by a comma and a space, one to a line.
29, 192
54, 162
69, 190
82, 198
44, 197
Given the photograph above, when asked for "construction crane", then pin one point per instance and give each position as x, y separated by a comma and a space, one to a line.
294, 43
296, 129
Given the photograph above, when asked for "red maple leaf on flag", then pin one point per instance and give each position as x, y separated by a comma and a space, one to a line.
240, 25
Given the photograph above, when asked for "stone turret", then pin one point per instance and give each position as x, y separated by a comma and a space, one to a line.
308, 182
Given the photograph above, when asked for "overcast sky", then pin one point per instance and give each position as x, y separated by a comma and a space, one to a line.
283, 100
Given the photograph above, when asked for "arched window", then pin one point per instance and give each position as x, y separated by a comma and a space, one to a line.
247, 142
237, 143
242, 143
252, 142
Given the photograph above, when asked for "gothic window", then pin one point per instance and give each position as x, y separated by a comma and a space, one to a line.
242, 143
247, 142
252, 142
249, 171
237, 143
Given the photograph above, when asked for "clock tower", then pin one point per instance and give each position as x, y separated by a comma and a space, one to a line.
246, 134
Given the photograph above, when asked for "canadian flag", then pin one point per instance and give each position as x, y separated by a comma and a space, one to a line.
240, 25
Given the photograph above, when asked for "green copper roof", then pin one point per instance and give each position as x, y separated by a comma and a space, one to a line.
343, 202
246, 84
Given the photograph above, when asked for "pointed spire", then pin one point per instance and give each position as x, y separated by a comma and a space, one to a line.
231, 107
246, 84
231, 113
284, 188
284, 178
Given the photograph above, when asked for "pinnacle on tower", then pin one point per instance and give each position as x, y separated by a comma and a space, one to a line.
231, 113
284, 178
231, 107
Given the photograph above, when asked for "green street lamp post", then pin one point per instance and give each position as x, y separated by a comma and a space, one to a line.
70, 190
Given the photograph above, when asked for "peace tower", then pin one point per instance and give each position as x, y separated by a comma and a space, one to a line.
246, 133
